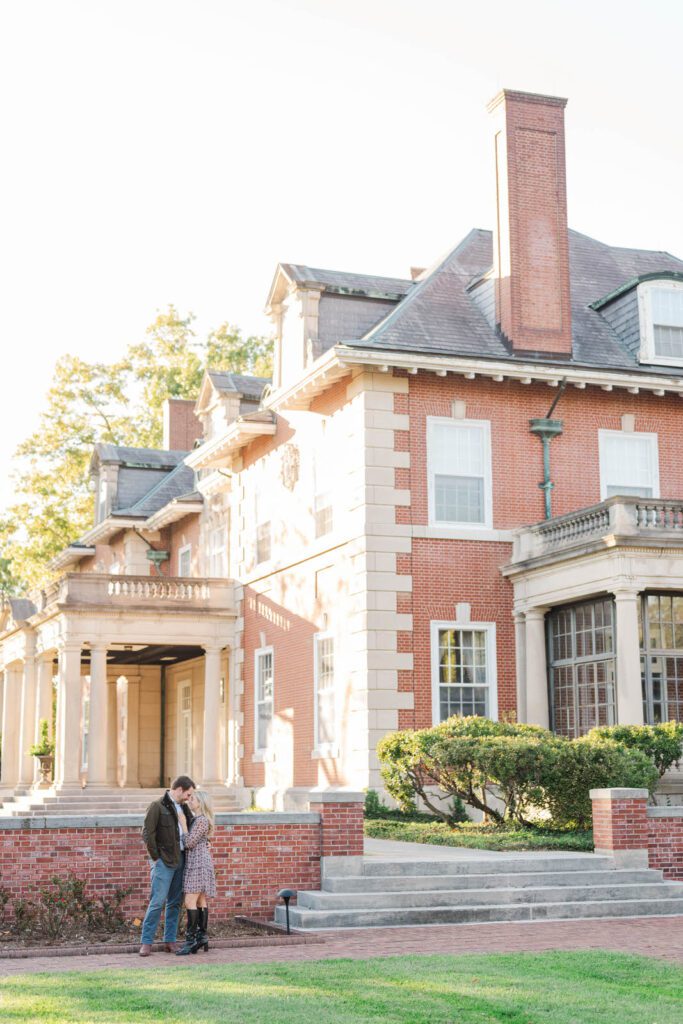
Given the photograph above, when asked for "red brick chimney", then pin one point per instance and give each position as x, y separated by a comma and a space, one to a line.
530, 239
181, 426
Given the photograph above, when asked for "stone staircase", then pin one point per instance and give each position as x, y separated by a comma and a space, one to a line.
104, 802
524, 888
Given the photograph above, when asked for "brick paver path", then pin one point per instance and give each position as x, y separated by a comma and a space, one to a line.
652, 936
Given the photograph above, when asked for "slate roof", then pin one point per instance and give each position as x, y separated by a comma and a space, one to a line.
362, 284
142, 458
439, 316
176, 485
239, 383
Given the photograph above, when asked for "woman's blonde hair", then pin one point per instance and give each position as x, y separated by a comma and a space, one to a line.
205, 808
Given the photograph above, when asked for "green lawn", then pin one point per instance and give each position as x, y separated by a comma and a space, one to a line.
546, 988
476, 836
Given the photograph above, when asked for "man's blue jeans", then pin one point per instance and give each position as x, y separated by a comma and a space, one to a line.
167, 889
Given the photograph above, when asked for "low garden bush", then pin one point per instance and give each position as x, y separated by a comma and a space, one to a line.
510, 772
663, 743
61, 908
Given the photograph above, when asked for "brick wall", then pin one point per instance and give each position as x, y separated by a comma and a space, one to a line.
624, 826
665, 841
253, 858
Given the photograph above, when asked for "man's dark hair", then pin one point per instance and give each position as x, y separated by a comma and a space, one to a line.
183, 782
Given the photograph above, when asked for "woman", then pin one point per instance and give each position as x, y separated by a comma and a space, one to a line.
199, 880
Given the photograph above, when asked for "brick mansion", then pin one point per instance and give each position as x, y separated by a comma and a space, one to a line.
460, 493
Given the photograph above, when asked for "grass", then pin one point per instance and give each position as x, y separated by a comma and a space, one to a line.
475, 835
545, 988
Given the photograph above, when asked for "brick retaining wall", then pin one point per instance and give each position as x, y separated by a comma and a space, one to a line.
630, 832
255, 855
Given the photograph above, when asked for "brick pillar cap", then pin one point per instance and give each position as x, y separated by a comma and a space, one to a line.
336, 796
619, 794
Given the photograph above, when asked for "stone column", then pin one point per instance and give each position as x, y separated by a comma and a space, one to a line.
11, 710
97, 746
520, 665
211, 765
44, 673
69, 697
537, 712
28, 720
629, 684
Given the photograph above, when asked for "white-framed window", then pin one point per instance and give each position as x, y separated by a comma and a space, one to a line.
660, 305
629, 464
459, 472
184, 727
464, 680
185, 560
323, 483
218, 553
263, 525
263, 697
325, 697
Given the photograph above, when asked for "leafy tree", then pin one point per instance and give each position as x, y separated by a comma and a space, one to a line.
119, 403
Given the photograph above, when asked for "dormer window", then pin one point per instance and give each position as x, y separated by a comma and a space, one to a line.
661, 322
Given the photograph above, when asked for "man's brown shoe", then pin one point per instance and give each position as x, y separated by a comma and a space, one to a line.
170, 947
145, 950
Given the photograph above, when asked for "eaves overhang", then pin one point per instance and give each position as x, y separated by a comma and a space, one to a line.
172, 513
344, 358
71, 555
219, 450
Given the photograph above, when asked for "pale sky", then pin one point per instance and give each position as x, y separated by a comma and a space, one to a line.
158, 151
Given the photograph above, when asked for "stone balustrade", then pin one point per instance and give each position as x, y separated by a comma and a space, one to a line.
640, 519
151, 592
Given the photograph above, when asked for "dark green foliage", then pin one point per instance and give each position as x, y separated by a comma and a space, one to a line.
663, 743
62, 907
510, 772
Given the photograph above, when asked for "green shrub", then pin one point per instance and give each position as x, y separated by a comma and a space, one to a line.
577, 766
663, 743
508, 771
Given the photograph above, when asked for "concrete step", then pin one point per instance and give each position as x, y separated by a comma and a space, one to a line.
529, 879
506, 865
302, 917
487, 897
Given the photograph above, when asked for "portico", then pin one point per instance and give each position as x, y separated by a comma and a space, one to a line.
118, 654
605, 560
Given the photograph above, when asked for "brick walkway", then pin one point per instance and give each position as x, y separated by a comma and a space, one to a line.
654, 936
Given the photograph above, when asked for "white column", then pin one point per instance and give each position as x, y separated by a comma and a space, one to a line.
520, 665
28, 720
211, 765
44, 674
629, 685
69, 696
97, 742
536, 669
11, 710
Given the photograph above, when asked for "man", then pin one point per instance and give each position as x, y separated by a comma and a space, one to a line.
166, 824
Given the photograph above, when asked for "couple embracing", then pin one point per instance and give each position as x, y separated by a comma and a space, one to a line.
177, 833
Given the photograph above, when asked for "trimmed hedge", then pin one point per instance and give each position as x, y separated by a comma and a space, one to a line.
510, 772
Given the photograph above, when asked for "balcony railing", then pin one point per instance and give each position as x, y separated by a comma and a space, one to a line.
148, 592
627, 518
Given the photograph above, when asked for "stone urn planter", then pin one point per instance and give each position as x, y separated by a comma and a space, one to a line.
46, 762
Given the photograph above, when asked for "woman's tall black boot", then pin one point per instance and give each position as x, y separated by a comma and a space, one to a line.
202, 937
190, 945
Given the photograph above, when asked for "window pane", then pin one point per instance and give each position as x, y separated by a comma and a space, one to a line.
458, 499
463, 673
628, 463
582, 683
667, 306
